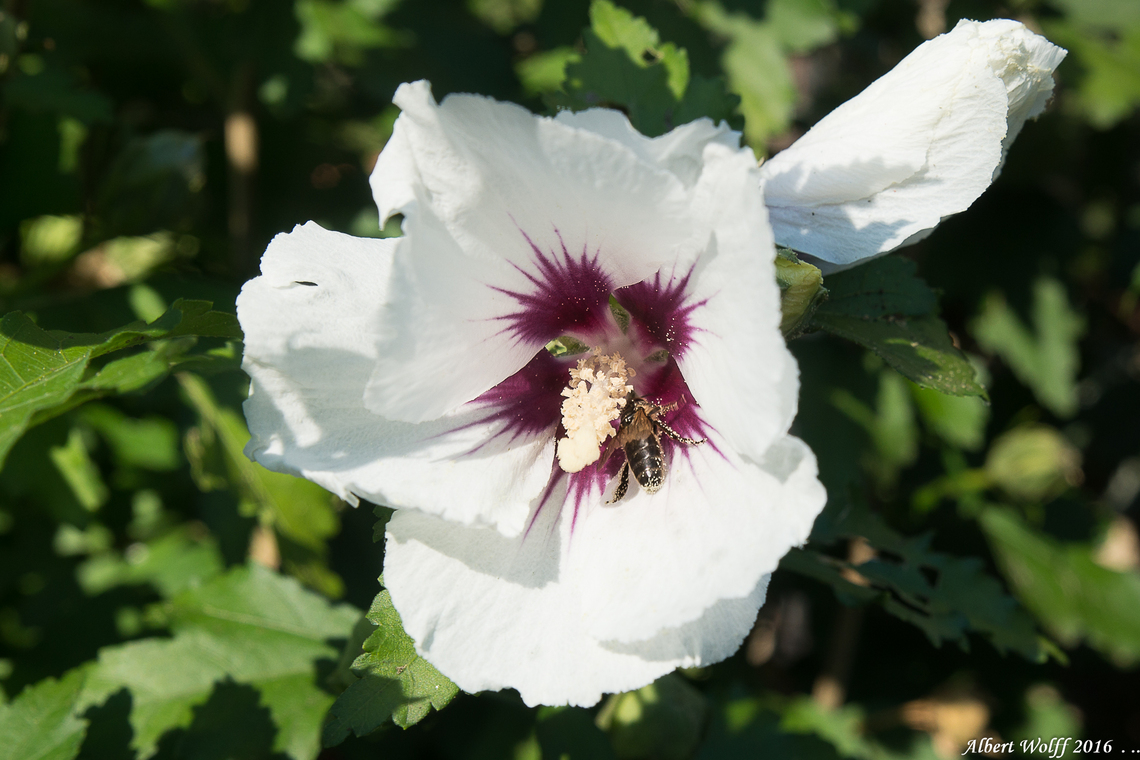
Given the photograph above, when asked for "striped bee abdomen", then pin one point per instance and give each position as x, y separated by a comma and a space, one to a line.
647, 461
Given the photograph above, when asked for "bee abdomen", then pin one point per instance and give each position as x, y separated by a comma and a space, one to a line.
647, 462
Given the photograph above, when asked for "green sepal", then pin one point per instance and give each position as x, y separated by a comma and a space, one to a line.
566, 345
621, 316
801, 292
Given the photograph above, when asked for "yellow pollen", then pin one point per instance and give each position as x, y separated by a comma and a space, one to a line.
594, 398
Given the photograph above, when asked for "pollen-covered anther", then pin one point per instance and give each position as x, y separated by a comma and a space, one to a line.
594, 398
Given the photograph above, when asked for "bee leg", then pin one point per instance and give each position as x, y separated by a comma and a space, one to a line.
623, 484
678, 437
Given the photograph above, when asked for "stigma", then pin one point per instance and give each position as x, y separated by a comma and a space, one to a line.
595, 396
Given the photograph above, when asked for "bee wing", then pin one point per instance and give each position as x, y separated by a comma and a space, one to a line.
641, 426
611, 445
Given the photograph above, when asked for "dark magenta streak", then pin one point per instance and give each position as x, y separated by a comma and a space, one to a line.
528, 402
579, 485
660, 310
571, 294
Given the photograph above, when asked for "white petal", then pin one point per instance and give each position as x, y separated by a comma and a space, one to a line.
681, 151
612, 599
739, 368
485, 187
491, 613
654, 561
921, 143
311, 322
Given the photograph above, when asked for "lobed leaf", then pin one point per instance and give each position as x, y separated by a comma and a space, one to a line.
44, 373
662, 720
626, 66
300, 509
1073, 596
756, 56
883, 306
943, 595
40, 723
395, 682
570, 733
885, 287
1046, 358
36, 373
919, 348
249, 626
171, 564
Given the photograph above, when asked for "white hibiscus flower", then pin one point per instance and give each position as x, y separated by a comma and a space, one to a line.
918, 145
414, 372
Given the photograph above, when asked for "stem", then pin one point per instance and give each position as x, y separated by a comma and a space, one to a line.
830, 688
241, 156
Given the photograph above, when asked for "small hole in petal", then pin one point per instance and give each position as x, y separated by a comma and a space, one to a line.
305, 282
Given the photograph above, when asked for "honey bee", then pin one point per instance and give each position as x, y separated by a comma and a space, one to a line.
639, 435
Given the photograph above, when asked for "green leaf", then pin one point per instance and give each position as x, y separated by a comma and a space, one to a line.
250, 626
200, 319
1109, 14
43, 371
626, 66
570, 733
890, 425
505, 15
841, 727
299, 509
707, 97
1047, 716
343, 31
750, 727
884, 287
803, 25
755, 58
49, 240
884, 307
395, 683
37, 373
129, 374
619, 29
919, 348
342, 676
1103, 38
845, 729
943, 595
1074, 597
664, 719
958, 420
40, 723
757, 71
1046, 359
545, 72
606, 76
73, 461
171, 564
150, 443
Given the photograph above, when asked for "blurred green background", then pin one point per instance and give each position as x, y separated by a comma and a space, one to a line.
976, 573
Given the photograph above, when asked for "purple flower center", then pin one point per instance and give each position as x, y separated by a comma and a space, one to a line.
569, 295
